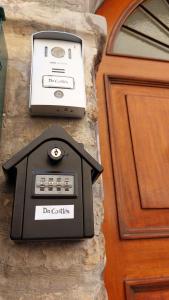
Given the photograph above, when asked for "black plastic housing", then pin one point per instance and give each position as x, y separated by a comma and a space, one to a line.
34, 160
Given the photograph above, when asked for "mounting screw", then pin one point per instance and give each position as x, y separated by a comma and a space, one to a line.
55, 153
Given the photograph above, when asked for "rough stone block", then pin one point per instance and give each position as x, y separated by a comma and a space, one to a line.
60, 270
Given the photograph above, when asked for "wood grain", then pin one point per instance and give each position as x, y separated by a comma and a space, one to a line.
133, 171
149, 126
137, 258
148, 289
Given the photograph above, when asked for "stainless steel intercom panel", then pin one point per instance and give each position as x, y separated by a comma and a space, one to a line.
57, 80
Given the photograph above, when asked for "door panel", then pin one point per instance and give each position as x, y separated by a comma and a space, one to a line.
147, 289
149, 125
139, 137
149, 128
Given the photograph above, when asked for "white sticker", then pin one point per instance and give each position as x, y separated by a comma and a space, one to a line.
54, 212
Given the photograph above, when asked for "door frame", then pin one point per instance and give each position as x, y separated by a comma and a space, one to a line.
126, 11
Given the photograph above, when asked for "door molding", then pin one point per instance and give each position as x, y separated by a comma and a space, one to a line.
134, 287
127, 232
133, 80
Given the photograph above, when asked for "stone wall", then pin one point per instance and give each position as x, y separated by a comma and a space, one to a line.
80, 5
55, 270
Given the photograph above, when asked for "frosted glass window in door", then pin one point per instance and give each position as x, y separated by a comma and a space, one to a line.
145, 32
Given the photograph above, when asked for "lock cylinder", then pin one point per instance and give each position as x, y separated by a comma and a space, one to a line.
55, 153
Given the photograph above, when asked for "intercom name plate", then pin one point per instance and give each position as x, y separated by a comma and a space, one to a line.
53, 81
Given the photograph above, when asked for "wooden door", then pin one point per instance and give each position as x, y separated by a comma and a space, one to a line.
133, 98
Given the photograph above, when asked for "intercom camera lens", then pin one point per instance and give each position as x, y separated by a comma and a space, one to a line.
58, 52
55, 153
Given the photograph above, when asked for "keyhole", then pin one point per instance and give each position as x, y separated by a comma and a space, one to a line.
56, 153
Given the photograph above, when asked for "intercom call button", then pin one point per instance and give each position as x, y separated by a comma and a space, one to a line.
58, 94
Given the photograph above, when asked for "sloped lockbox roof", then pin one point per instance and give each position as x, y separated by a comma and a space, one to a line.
55, 133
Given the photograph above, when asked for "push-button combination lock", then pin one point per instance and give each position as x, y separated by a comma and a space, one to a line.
54, 184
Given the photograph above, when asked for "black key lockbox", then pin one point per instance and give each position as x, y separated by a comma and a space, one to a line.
53, 189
